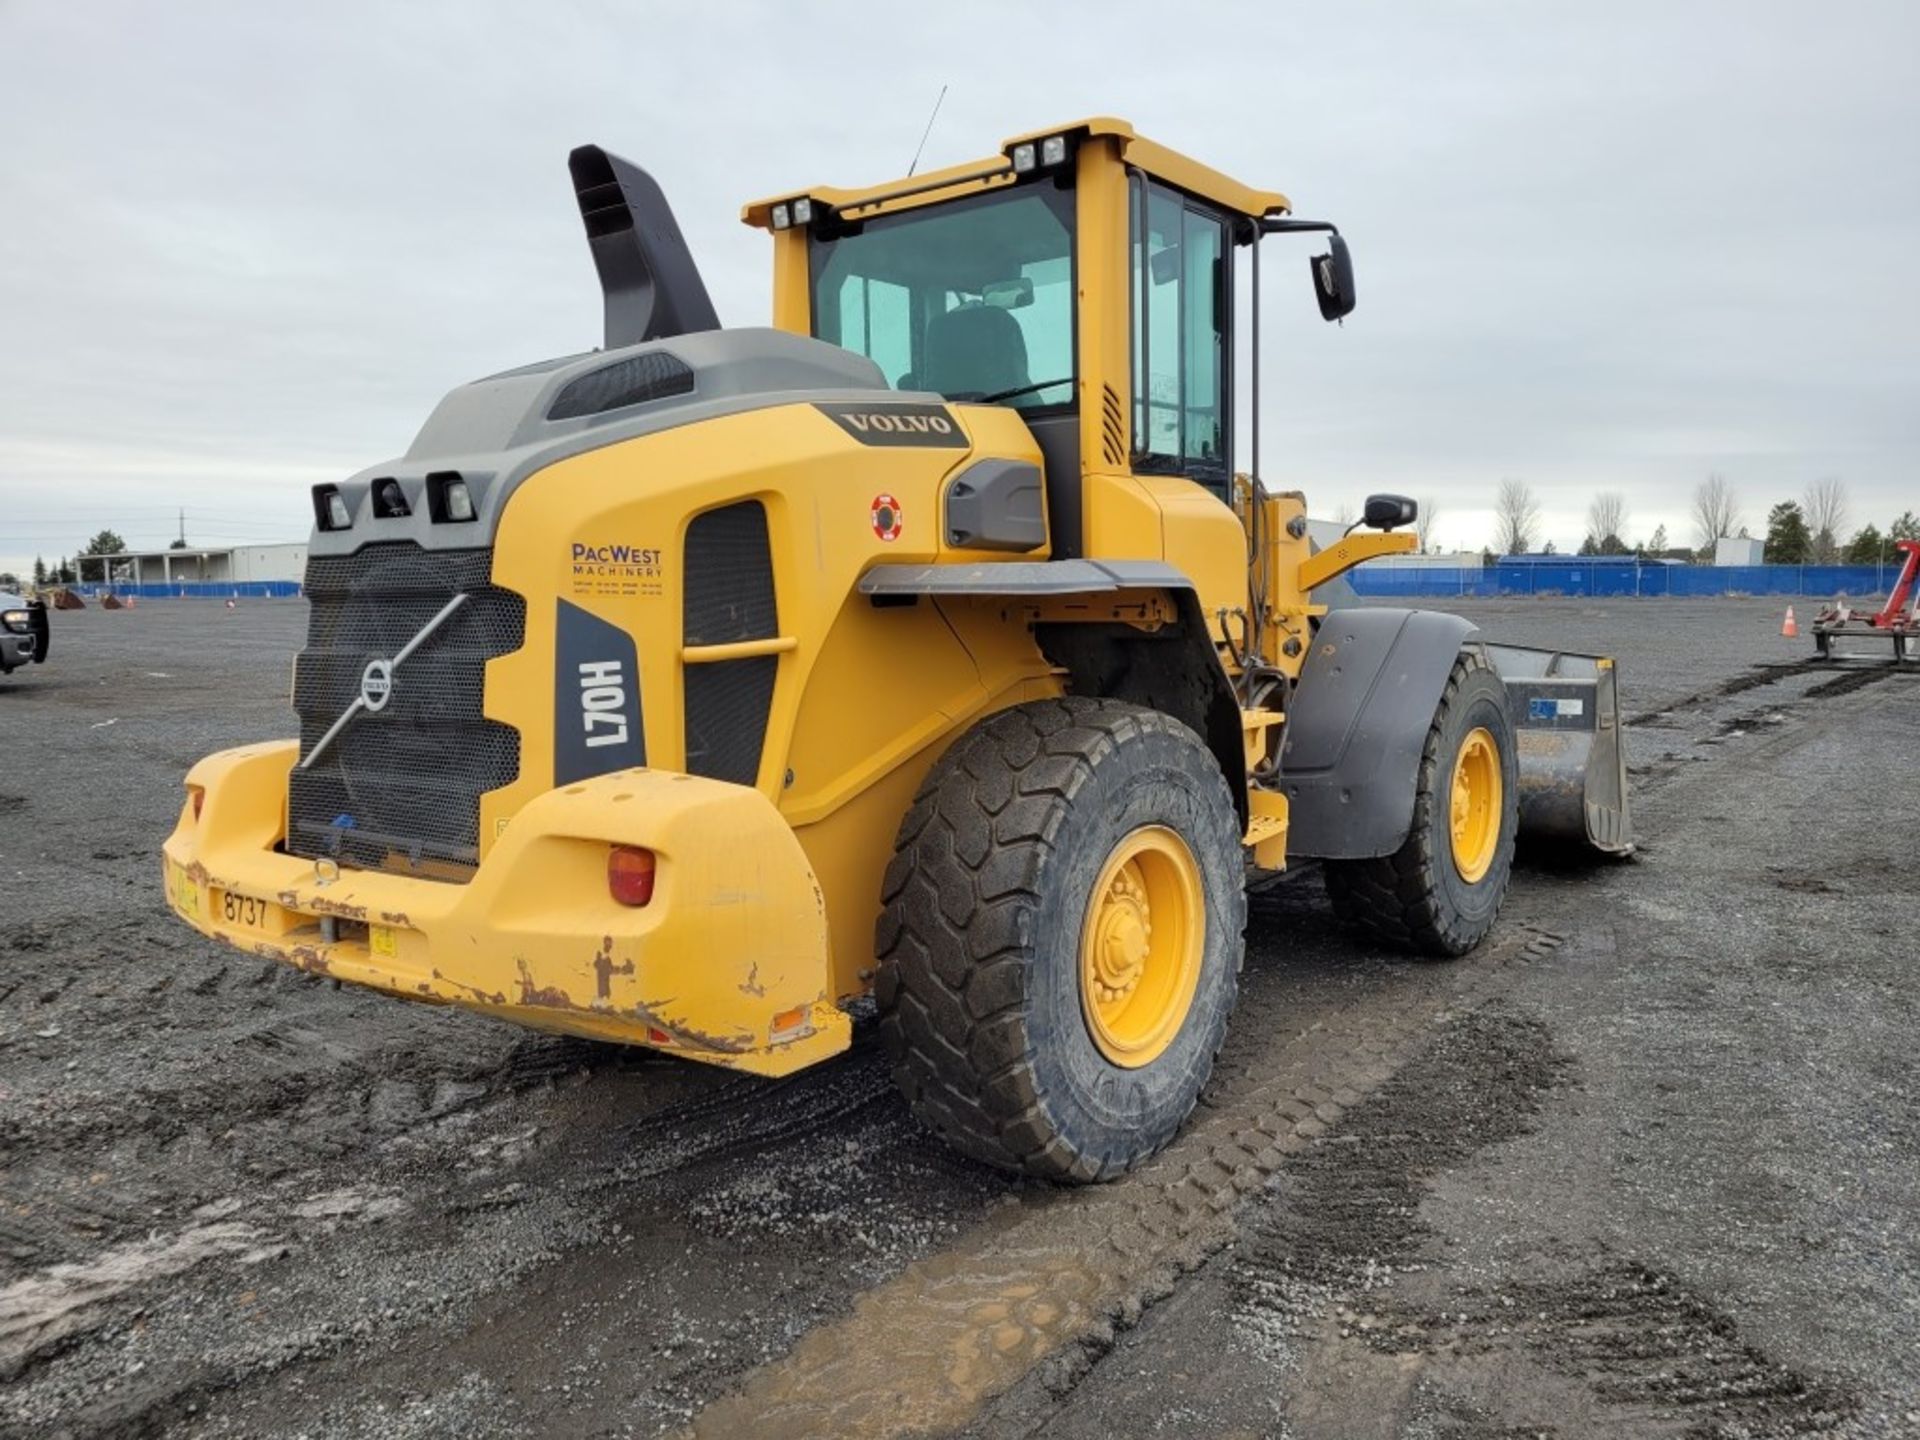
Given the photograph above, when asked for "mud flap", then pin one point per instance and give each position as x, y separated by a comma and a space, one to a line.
1566, 721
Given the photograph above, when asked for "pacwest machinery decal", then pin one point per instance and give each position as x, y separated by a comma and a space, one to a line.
926, 426
616, 569
596, 698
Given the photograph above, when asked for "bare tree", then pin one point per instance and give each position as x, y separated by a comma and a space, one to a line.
1516, 517
1607, 522
1826, 508
1423, 523
1716, 510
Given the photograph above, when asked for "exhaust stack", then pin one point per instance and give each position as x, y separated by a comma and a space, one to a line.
652, 286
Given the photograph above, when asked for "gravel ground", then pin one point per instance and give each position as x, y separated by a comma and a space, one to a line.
1651, 1175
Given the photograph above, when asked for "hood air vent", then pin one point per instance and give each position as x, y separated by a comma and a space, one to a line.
632, 381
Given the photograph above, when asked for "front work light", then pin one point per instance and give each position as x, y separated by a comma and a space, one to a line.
459, 501
1053, 149
782, 217
1023, 157
803, 211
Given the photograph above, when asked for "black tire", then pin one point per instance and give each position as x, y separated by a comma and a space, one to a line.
979, 935
1416, 898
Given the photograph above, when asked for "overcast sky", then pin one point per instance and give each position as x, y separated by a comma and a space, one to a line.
245, 247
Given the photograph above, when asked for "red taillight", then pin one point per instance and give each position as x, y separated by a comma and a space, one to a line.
630, 875
197, 797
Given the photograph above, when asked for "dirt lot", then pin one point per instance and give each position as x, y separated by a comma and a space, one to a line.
1646, 1165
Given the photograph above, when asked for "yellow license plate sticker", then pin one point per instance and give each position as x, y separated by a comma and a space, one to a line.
186, 894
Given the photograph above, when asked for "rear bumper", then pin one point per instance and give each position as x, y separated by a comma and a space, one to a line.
727, 964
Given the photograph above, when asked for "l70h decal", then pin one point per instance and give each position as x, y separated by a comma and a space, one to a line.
596, 698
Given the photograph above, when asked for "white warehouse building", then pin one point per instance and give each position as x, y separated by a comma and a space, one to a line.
236, 564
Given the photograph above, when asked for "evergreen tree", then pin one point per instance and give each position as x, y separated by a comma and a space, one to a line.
1787, 540
1587, 547
1905, 528
39, 571
1657, 546
1868, 547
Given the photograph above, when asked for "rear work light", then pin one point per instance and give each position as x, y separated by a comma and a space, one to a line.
389, 500
330, 510
449, 500
630, 875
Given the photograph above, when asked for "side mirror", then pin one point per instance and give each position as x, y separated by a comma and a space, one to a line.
1384, 512
1014, 294
1333, 280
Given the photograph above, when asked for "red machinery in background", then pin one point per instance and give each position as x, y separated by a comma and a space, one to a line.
1898, 620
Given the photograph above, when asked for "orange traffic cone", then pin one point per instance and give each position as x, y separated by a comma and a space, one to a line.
1787, 627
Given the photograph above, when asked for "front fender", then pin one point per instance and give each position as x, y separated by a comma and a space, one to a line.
1357, 725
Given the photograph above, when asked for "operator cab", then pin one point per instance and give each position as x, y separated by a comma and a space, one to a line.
999, 282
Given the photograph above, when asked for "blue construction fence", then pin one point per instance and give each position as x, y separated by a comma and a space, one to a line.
1545, 576
195, 590
1628, 578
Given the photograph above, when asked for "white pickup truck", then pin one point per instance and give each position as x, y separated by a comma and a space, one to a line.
23, 632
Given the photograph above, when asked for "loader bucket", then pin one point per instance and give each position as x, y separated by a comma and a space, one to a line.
1573, 771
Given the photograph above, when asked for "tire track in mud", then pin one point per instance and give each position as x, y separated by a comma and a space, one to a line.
924, 1351
1710, 719
1842, 680
1336, 1268
680, 1152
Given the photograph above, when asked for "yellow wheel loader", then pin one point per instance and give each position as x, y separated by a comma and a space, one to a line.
925, 646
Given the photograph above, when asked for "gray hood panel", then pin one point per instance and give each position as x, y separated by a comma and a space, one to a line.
495, 433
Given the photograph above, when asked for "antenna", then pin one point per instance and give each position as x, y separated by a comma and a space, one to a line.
926, 132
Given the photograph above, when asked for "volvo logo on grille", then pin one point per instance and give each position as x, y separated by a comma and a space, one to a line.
376, 684
376, 681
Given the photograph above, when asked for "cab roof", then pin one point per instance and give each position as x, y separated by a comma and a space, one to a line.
1135, 149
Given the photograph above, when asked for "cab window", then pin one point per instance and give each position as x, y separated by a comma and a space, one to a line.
1181, 383
972, 299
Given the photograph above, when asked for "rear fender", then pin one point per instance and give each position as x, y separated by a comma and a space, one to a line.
1356, 727
1174, 670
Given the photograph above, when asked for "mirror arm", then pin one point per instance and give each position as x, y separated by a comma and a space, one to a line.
1274, 225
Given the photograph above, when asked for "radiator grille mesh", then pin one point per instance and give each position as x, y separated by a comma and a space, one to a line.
400, 788
729, 598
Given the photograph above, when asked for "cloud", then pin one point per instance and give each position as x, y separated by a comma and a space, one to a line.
1607, 245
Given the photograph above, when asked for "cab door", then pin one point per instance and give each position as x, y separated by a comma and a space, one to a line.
1181, 274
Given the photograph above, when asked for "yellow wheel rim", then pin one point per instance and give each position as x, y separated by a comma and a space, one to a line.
1141, 946
1475, 805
